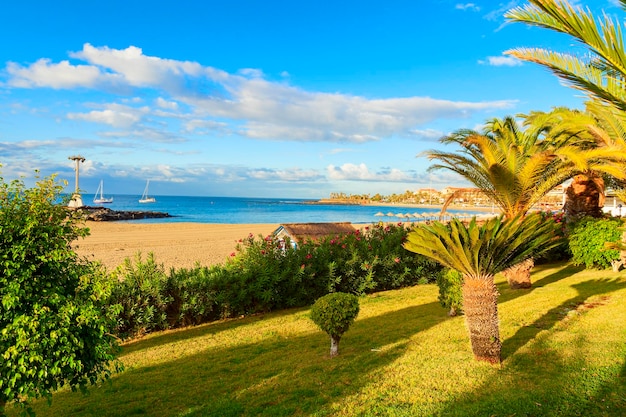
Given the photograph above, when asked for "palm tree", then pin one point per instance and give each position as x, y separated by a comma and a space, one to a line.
514, 168
601, 73
591, 146
480, 252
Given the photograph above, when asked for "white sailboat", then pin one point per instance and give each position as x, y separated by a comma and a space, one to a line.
99, 198
144, 197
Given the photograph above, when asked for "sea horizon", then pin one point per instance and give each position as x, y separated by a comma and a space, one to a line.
247, 210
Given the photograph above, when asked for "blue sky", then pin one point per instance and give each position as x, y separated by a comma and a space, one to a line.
259, 98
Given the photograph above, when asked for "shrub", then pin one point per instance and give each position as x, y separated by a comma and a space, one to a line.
193, 295
562, 251
587, 240
140, 297
54, 329
450, 285
334, 313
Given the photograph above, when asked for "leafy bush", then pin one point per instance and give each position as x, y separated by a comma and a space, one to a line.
140, 297
451, 291
263, 275
562, 251
334, 313
267, 275
369, 261
193, 295
54, 329
587, 240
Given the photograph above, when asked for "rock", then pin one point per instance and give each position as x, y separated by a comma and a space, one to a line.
103, 214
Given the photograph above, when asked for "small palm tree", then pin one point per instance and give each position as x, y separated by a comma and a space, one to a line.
478, 253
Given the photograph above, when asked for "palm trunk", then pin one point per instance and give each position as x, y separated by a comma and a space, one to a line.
584, 197
518, 276
480, 304
334, 346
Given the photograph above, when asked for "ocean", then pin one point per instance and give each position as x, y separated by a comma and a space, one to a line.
241, 210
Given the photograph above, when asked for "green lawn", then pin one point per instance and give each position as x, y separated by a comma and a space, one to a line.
564, 354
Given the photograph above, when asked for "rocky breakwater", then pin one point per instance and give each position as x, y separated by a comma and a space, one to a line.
103, 214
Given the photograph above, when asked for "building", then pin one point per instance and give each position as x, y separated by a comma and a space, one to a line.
303, 232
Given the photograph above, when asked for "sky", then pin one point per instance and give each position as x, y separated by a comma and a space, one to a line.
282, 99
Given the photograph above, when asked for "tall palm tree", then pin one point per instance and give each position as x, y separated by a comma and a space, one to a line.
591, 146
600, 73
480, 252
514, 168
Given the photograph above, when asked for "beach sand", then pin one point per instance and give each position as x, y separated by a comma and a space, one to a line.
173, 244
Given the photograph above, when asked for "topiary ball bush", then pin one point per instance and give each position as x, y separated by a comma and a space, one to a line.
334, 313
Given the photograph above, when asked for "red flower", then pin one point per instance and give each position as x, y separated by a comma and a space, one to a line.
232, 254
309, 256
397, 260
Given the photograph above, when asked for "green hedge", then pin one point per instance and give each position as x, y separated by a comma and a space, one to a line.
265, 275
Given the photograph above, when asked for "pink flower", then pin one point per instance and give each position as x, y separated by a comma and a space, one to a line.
343, 246
302, 266
232, 254
250, 235
332, 241
309, 256
397, 260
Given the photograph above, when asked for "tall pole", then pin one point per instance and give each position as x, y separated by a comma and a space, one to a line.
76, 200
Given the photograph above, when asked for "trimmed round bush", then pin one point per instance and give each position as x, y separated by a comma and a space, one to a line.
334, 313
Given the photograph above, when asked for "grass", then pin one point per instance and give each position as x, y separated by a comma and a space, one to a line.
564, 354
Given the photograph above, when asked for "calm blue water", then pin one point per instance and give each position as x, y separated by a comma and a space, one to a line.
254, 210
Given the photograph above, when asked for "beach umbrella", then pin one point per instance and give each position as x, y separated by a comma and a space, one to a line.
390, 214
400, 215
408, 216
380, 213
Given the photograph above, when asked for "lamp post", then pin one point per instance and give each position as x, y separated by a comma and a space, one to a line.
76, 200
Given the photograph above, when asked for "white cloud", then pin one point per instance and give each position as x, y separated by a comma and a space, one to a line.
285, 175
352, 172
244, 102
501, 61
43, 73
166, 104
467, 6
115, 115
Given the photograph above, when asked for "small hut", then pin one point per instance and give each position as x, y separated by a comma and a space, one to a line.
302, 232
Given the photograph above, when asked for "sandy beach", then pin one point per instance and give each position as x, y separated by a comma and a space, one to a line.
173, 244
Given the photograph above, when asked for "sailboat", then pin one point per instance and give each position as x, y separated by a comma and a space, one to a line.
144, 197
99, 198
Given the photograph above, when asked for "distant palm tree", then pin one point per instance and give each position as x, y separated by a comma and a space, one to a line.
480, 252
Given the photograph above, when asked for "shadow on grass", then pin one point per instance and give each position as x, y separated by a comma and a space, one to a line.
201, 330
540, 382
566, 270
277, 376
585, 290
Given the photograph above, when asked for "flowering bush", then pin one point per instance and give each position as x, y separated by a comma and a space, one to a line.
265, 274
